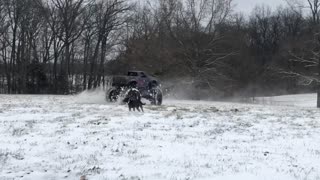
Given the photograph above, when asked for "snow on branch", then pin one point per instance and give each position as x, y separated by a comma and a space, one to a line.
305, 80
312, 62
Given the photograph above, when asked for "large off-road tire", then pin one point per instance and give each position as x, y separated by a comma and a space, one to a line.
156, 96
132, 84
113, 95
153, 85
159, 99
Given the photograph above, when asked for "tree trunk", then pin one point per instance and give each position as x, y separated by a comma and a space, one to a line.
6, 69
93, 73
97, 82
55, 61
85, 63
66, 72
318, 94
318, 97
12, 60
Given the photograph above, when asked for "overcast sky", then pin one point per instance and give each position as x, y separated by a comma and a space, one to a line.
246, 6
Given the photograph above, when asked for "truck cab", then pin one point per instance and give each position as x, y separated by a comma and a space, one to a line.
148, 86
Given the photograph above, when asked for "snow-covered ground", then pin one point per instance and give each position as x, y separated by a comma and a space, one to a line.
66, 137
302, 100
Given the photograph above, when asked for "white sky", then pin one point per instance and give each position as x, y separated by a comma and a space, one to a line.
246, 6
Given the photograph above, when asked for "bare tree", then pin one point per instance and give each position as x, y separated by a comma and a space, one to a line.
312, 61
47, 42
109, 17
63, 46
70, 27
4, 44
314, 6
199, 40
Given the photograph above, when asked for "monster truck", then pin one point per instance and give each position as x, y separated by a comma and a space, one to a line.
148, 86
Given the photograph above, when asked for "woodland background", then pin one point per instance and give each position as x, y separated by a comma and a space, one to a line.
200, 46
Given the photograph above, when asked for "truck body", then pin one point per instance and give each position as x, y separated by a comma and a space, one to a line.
148, 86
142, 79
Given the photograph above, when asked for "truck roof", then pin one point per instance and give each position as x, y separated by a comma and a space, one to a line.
135, 71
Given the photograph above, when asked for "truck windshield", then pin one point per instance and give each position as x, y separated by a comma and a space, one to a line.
132, 74
143, 75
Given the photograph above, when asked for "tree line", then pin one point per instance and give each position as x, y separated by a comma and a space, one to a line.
58, 46
204, 46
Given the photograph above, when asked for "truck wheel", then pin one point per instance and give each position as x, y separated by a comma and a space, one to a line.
156, 96
159, 99
132, 84
153, 85
113, 95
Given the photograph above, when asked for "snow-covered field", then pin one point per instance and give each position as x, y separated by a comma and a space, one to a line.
65, 137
